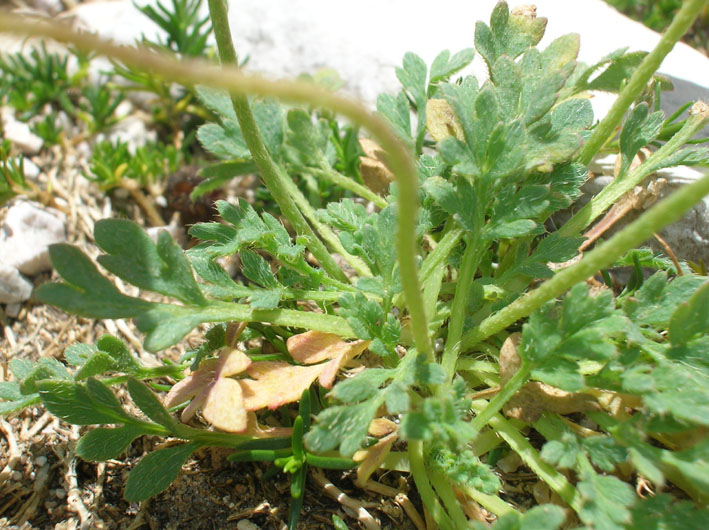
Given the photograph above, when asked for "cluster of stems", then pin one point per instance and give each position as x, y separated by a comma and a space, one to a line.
434, 489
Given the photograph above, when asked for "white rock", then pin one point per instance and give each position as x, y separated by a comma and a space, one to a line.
51, 7
32, 170
13, 286
177, 232
25, 236
133, 131
245, 524
365, 44
13, 310
20, 134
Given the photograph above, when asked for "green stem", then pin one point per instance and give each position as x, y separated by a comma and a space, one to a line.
620, 186
502, 397
324, 230
438, 255
445, 492
471, 260
662, 214
230, 78
273, 175
347, 183
531, 457
680, 24
218, 311
491, 503
428, 496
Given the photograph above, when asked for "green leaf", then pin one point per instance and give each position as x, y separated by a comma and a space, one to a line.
562, 453
132, 255
413, 77
661, 513
98, 364
255, 268
78, 354
655, 302
508, 34
556, 338
691, 318
345, 426
444, 66
103, 444
73, 403
46, 368
459, 201
681, 391
606, 501
150, 405
363, 386
156, 471
464, 468
218, 101
616, 74
553, 248
13, 405
639, 130
604, 452
306, 142
265, 298
117, 349
511, 229
219, 174
556, 138
10, 390
369, 322
86, 292
396, 110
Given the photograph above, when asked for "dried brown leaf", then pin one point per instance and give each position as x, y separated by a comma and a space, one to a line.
372, 458
232, 362
224, 407
188, 388
535, 397
510, 360
276, 383
376, 175
441, 121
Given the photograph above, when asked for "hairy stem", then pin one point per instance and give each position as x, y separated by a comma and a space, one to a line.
616, 189
445, 492
531, 457
347, 183
471, 260
324, 230
428, 496
679, 26
272, 174
502, 397
662, 214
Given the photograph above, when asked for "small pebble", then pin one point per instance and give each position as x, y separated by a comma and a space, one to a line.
16, 476
40, 460
245, 524
60, 493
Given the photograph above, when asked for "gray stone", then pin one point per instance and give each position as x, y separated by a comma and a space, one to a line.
13, 286
25, 236
19, 133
